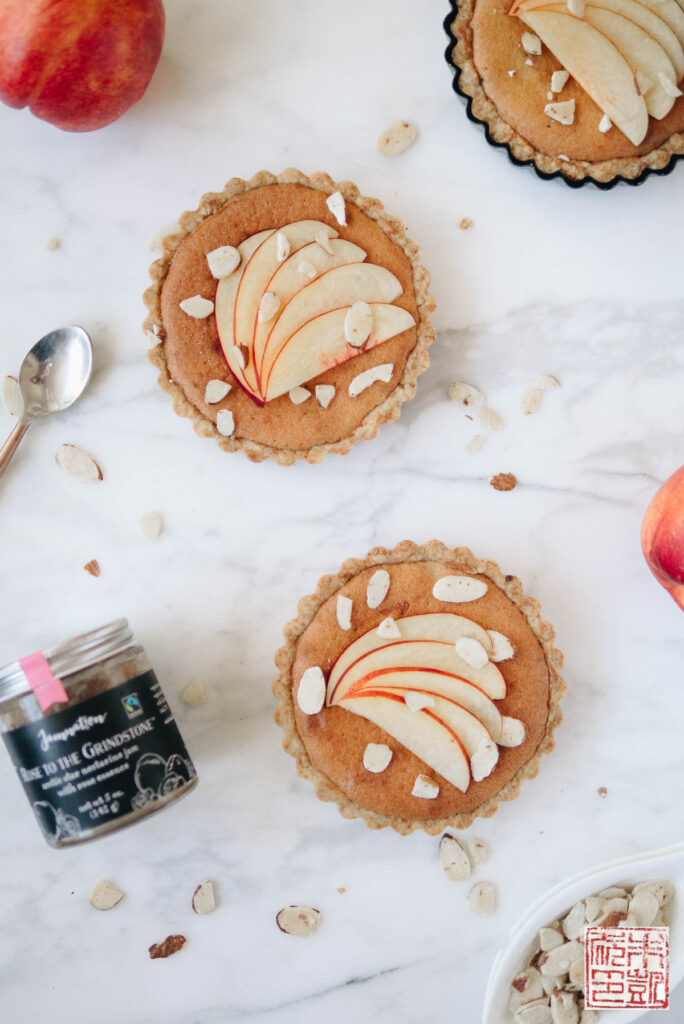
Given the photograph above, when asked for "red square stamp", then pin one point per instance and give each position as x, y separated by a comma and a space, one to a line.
627, 967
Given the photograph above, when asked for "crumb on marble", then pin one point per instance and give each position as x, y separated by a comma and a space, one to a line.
504, 482
53, 244
92, 567
341, 889
465, 223
602, 792
170, 945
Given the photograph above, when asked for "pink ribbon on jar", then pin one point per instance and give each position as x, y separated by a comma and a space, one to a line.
47, 688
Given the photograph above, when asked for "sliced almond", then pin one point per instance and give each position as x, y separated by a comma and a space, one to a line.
12, 397
358, 324
564, 1008
424, 788
197, 307
325, 394
459, 589
222, 262
558, 80
573, 922
465, 223
53, 244
268, 307
546, 382
151, 525
550, 938
170, 945
482, 899
513, 732
307, 268
239, 354
613, 892
311, 691
474, 444
344, 611
577, 7
377, 588
323, 239
530, 400
225, 422
489, 419
364, 380
670, 88
605, 124
525, 988
298, 395
388, 629
195, 693
215, 391
204, 898
478, 850
643, 83
558, 960
465, 394
502, 648
299, 921
534, 1013
592, 908
483, 761
396, 139
471, 651
335, 204
576, 974
78, 463
376, 757
105, 895
531, 44
454, 859
417, 701
283, 247
92, 567
562, 111
662, 889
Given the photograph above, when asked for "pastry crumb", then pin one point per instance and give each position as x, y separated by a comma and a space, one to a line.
92, 567
504, 482
341, 889
53, 244
602, 792
465, 223
171, 944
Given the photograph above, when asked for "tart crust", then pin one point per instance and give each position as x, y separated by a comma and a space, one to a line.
486, 45
305, 736
407, 351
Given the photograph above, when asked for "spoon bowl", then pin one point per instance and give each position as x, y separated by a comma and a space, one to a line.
55, 372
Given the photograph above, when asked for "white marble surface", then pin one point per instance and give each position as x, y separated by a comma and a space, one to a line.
583, 285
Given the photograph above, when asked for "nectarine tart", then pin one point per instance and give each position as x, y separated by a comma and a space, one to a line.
291, 316
418, 687
586, 89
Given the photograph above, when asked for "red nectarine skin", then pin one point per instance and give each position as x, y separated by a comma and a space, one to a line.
79, 64
662, 536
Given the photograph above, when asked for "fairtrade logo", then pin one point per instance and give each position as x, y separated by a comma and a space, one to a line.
132, 705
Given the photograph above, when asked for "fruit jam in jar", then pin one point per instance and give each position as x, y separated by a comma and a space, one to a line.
91, 736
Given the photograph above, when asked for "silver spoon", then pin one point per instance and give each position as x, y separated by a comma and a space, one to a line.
53, 375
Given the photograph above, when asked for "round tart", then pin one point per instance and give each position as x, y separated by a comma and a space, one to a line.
290, 316
418, 687
583, 89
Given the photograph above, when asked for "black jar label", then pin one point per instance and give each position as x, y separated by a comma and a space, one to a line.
100, 759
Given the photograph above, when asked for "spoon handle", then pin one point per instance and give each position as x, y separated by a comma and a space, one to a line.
12, 443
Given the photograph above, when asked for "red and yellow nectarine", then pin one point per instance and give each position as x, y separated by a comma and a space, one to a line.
662, 536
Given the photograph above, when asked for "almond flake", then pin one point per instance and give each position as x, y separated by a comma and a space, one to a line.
171, 944
325, 394
512, 74
388, 630
425, 788
204, 898
482, 899
377, 588
396, 139
558, 960
531, 44
105, 895
92, 567
376, 757
215, 391
358, 324
268, 307
670, 87
564, 1008
489, 419
559, 80
546, 382
195, 693
323, 239
534, 1013
459, 589
530, 400
335, 204
474, 444
299, 921
283, 247
311, 691
550, 938
471, 651
307, 269
563, 111
225, 422
151, 525
577, 7
222, 262
465, 394
78, 463
483, 761
465, 223
299, 395
364, 380
644, 906
417, 701
239, 355
197, 307
513, 732
643, 83
563, 157
454, 859
478, 850
344, 611
12, 397
526, 988
53, 244
574, 921
605, 124
502, 648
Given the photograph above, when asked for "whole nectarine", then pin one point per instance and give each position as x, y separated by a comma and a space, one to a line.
662, 536
79, 64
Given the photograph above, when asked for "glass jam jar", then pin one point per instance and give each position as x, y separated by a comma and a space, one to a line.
91, 736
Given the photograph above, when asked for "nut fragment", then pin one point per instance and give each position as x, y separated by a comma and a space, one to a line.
662, 889
417, 701
377, 588
225, 422
311, 691
564, 1008
283, 247
344, 611
335, 204
489, 419
105, 895
53, 244
602, 791
482, 899
459, 589
605, 124
562, 111
504, 482
577, 7
558, 960
195, 693
425, 788
298, 920
388, 629
550, 938
454, 859
573, 923
471, 651
12, 397
268, 307
307, 268
478, 850
364, 380
151, 525
197, 307
376, 757
298, 395
92, 567
465, 394
534, 1013
525, 988
325, 394
502, 648
204, 898
531, 44
465, 223
530, 400
171, 944
396, 139
483, 761
513, 732
215, 391
474, 444
546, 382
358, 324
223, 261
558, 80
78, 463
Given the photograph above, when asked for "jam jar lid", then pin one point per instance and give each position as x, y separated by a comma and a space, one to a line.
72, 656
